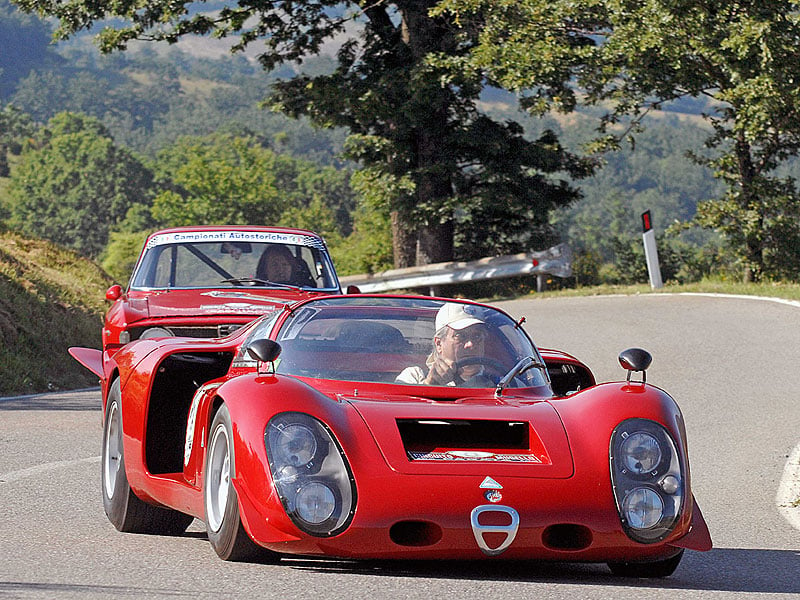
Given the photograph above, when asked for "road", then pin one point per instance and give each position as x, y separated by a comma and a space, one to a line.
732, 364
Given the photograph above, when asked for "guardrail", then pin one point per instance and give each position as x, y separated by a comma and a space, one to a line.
555, 261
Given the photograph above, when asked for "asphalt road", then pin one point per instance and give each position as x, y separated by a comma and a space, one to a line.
732, 364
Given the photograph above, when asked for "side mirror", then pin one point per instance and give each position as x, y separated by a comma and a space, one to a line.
264, 350
114, 292
353, 289
635, 359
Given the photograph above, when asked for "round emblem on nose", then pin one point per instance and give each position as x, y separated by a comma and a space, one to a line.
493, 495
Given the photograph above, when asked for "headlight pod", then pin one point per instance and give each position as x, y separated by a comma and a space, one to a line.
310, 473
647, 477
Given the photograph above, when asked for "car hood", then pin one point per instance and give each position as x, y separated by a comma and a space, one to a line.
175, 303
470, 436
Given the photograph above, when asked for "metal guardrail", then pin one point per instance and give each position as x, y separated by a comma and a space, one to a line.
555, 261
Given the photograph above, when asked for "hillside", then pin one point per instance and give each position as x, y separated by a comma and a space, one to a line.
50, 299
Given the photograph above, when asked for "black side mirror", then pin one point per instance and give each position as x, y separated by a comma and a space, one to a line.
635, 359
264, 350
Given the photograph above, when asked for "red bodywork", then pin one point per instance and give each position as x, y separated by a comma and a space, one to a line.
404, 509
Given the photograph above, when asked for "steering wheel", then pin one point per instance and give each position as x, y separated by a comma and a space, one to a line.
488, 363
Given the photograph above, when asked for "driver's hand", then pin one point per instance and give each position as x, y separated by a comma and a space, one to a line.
442, 371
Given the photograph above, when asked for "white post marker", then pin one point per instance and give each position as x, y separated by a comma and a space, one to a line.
650, 251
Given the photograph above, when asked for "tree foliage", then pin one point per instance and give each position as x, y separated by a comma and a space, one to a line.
409, 114
216, 180
75, 185
15, 127
635, 56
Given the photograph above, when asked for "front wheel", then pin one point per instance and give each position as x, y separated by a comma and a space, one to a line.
658, 568
223, 523
124, 509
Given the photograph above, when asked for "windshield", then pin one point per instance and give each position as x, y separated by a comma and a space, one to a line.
412, 341
182, 262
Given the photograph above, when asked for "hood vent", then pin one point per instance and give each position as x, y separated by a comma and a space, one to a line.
466, 439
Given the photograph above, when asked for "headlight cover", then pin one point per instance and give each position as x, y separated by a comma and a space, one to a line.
311, 474
648, 479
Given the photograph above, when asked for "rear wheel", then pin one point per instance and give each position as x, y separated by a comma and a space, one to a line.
124, 508
659, 568
223, 523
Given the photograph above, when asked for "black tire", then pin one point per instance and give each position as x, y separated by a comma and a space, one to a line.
659, 568
223, 523
124, 509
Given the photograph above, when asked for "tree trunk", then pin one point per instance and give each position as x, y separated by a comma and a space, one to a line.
425, 35
404, 242
435, 243
754, 251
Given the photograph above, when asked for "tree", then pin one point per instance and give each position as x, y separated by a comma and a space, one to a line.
216, 180
75, 185
636, 56
408, 115
14, 127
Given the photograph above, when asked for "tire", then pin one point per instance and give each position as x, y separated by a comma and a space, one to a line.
223, 523
123, 508
659, 568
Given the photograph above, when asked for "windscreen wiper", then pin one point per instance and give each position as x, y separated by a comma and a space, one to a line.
264, 282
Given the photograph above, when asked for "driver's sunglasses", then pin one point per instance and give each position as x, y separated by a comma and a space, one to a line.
476, 336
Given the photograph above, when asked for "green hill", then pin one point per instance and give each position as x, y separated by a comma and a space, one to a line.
50, 299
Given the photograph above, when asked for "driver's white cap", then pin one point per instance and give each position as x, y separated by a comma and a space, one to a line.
455, 316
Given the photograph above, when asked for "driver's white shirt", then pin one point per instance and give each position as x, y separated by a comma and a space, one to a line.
416, 375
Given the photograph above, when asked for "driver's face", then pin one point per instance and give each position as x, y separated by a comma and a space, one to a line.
461, 344
279, 269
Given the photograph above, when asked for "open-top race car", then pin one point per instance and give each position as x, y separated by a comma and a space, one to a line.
209, 281
368, 426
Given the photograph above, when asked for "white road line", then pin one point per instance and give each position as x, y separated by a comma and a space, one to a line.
31, 471
788, 498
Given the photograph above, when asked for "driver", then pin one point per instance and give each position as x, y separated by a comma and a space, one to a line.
457, 351
276, 264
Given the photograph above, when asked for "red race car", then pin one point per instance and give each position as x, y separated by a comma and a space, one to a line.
370, 426
209, 281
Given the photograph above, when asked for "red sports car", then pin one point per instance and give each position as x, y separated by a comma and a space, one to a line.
369, 426
209, 281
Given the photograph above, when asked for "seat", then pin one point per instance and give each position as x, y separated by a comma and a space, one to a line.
371, 336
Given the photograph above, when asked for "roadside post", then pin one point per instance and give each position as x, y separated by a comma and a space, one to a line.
651, 251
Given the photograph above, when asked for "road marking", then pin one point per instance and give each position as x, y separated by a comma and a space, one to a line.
31, 471
788, 497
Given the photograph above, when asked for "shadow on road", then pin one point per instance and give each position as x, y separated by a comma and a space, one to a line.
74, 400
722, 569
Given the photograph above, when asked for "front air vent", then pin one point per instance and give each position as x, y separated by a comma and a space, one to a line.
567, 536
464, 439
415, 533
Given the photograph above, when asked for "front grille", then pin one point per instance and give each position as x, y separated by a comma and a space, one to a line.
210, 331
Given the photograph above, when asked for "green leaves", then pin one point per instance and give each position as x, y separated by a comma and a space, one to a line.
75, 185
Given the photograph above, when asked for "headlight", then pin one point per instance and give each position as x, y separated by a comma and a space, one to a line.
647, 477
640, 453
155, 332
310, 473
643, 508
295, 445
